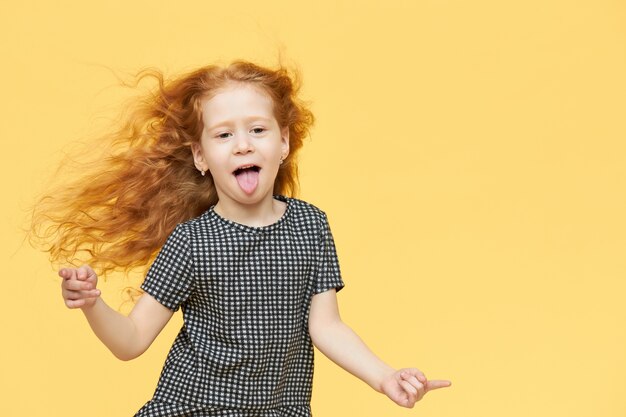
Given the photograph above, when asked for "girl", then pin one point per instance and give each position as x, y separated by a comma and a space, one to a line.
206, 171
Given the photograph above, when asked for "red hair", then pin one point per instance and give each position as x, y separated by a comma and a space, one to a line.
119, 215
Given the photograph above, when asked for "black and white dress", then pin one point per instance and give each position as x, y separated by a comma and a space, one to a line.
245, 292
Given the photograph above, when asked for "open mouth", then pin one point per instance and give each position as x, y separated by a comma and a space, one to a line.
247, 168
247, 177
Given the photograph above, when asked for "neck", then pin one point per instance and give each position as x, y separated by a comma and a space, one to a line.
262, 213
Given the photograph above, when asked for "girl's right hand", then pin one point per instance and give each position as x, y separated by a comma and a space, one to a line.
79, 286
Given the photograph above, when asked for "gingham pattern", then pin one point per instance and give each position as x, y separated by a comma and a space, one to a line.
244, 349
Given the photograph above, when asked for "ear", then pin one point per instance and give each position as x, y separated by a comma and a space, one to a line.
198, 158
284, 134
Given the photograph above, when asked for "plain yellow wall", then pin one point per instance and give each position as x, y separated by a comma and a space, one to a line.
470, 156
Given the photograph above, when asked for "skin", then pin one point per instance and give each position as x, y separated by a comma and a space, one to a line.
240, 129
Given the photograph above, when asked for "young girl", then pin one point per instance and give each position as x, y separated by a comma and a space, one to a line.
203, 170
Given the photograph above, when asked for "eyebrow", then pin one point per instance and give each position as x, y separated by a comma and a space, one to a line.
229, 122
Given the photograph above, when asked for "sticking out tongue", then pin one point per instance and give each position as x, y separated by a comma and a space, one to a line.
248, 179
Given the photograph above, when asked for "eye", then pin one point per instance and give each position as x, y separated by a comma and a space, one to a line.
258, 130
223, 135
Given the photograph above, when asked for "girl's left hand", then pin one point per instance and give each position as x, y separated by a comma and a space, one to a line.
407, 386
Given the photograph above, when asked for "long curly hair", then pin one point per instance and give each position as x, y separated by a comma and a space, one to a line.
118, 215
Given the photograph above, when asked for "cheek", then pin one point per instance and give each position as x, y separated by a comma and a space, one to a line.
216, 161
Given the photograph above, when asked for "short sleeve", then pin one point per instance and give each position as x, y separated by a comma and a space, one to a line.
169, 278
328, 272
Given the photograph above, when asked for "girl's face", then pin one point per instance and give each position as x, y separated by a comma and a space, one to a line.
241, 144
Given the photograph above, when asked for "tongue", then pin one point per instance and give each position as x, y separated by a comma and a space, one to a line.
248, 180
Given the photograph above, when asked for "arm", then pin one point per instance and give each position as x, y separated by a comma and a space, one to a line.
342, 345
127, 337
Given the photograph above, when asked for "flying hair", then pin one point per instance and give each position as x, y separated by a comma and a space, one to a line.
118, 215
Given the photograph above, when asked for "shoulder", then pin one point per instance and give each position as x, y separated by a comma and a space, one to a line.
195, 222
191, 229
308, 217
305, 208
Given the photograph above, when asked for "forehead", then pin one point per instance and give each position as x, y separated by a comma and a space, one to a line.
236, 102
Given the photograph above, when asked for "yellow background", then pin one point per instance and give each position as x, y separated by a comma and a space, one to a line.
470, 156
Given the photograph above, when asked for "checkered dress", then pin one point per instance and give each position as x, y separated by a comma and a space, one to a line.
245, 293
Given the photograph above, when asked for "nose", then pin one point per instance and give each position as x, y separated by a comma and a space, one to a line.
243, 144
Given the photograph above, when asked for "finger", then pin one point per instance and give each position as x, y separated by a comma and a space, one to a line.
90, 294
74, 299
418, 385
71, 295
77, 295
414, 393
75, 303
67, 273
436, 384
93, 293
421, 390
414, 372
83, 272
75, 285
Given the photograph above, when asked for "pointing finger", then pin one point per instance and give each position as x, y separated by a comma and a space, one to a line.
436, 384
66, 273
82, 273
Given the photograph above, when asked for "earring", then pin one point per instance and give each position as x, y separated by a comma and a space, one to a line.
202, 172
281, 160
